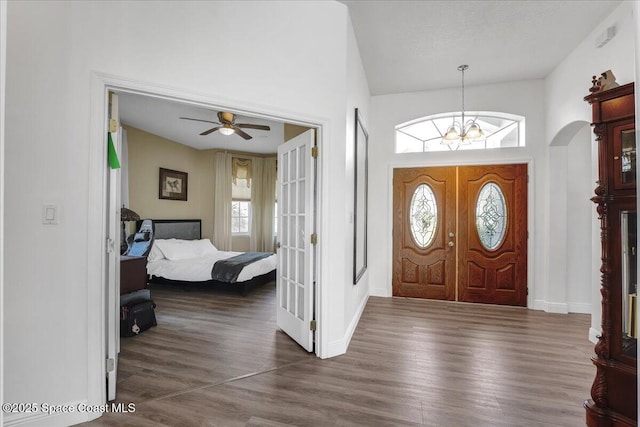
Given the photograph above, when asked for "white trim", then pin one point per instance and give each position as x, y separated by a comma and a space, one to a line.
338, 347
551, 307
101, 83
579, 307
322, 247
453, 162
96, 244
380, 292
593, 335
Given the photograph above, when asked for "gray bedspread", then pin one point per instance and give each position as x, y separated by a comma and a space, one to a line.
227, 270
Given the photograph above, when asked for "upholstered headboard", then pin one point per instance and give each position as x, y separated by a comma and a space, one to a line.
186, 229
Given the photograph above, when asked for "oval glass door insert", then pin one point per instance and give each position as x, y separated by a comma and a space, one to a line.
423, 216
491, 216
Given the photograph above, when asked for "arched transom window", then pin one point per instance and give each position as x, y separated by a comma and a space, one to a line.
500, 130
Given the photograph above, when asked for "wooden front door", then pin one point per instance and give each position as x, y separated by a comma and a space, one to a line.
424, 216
460, 233
492, 244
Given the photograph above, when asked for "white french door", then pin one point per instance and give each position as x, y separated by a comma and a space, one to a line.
295, 272
113, 256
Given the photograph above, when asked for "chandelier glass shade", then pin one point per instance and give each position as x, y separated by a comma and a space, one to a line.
462, 132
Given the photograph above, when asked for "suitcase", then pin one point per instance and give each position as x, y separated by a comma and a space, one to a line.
135, 296
137, 316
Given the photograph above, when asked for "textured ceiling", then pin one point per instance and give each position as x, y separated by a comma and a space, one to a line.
411, 46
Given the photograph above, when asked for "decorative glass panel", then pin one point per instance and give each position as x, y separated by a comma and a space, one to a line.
491, 216
423, 216
629, 240
628, 156
501, 130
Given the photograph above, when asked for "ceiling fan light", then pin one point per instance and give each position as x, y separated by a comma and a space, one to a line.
226, 130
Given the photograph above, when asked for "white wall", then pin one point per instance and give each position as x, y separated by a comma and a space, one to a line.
355, 296
565, 110
305, 52
580, 217
521, 98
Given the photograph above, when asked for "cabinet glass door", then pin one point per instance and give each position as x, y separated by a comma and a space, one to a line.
624, 156
629, 281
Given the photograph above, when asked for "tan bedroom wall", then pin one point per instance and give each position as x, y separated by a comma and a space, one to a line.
147, 154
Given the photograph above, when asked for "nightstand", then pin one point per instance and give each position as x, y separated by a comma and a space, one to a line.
133, 273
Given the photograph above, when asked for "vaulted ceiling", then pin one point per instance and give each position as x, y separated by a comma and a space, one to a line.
411, 46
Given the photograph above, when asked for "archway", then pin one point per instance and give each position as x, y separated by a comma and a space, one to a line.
573, 226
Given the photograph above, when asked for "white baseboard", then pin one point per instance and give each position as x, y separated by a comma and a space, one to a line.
57, 419
551, 307
593, 335
380, 292
579, 307
562, 308
336, 348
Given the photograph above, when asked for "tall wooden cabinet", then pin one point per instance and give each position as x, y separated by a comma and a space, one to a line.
614, 391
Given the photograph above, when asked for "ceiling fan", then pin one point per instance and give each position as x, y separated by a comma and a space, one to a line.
228, 125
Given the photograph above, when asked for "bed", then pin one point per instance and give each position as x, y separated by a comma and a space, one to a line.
180, 256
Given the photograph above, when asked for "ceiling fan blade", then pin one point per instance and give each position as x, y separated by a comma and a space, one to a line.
207, 132
250, 126
242, 133
199, 120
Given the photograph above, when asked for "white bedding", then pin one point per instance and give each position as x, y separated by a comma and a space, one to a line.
199, 269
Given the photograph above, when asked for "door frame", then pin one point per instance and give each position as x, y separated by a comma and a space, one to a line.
530, 211
101, 84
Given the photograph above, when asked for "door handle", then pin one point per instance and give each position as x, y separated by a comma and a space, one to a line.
451, 244
452, 234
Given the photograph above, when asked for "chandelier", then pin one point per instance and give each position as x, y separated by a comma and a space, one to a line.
462, 132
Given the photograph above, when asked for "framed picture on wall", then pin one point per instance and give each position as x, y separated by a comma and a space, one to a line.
172, 185
360, 199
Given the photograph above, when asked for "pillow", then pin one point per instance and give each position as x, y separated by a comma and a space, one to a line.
176, 249
207, 247
142, 237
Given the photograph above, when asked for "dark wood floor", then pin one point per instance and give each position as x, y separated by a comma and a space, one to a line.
216, 359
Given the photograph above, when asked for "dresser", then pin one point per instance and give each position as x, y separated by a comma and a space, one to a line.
133, 273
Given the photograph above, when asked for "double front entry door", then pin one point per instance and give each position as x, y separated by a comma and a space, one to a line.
460, 233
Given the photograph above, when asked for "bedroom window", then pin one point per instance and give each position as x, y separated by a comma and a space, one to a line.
240, 206
240, 213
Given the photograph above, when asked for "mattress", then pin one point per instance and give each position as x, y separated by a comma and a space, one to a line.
199, 269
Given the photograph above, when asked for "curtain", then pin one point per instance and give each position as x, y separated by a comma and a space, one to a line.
222, 205
263, 199
241, 169
257, 206
269, 175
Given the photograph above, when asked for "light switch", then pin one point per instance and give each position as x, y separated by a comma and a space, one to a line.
49, 214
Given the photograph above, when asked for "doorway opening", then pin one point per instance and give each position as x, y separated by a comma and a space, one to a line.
460, 233
111, 202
